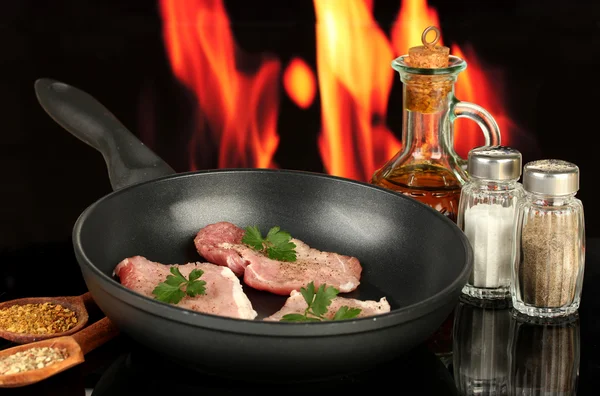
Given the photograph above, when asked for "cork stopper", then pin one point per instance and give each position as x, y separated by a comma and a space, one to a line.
428, 55
428, 93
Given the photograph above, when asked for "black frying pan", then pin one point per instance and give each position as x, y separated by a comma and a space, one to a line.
410, 253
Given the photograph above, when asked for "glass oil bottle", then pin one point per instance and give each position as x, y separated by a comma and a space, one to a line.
427, 167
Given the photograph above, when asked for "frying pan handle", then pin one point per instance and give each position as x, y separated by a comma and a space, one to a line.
128, 160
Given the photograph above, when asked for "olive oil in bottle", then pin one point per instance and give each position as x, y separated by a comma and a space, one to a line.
427, 167
430, 184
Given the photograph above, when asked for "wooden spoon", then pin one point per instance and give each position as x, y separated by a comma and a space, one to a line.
77, 345
76, 304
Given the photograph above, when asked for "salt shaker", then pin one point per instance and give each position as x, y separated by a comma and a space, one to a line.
480, 348
549, 258
486, 214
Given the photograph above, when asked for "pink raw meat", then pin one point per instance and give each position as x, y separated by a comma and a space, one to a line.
221, 243
224, 294
296, 304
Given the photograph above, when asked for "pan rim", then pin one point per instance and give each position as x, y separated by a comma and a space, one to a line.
263, 328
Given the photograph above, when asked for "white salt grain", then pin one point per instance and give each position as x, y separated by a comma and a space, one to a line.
489, 228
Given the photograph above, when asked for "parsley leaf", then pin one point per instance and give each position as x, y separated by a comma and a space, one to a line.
278, 237
253, 238
346, 313
195, 287
276, 245
176, 279
308, 293
195, 274
170, 291
318, 303
298, 318
323, 299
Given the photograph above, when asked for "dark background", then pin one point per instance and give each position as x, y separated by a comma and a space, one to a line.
549, 52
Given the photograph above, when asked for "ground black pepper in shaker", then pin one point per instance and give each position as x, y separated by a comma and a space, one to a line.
548, 258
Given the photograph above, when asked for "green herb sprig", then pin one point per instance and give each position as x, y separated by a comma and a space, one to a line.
170, 291
318, 302
276, 244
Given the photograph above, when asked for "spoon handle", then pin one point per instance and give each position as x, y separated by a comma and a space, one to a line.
87, 299
95, 335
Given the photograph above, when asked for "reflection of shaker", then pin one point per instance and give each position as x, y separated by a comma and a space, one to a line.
481, 334
544, 358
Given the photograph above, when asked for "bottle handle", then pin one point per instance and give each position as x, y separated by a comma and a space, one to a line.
487, 123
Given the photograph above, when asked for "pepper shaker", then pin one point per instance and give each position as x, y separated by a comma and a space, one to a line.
548, 260
486, 214
544, 356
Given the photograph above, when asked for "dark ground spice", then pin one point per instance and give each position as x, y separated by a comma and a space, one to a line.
549, 258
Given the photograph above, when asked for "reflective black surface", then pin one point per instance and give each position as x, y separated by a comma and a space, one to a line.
115, 49
492, 350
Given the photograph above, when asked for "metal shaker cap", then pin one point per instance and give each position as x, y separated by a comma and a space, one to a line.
494, 163
551, 176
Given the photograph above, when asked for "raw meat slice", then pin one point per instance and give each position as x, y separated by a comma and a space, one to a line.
296, 304
280, 277
221, 243
224, 294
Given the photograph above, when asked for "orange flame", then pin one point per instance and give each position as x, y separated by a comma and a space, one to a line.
353, 62
299, 83
238, 109
355, 79
473, 85
413, 17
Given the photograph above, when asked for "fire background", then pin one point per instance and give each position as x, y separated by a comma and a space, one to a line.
234, 83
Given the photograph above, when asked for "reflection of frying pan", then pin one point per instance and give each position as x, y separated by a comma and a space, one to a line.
137, 373
410, 253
